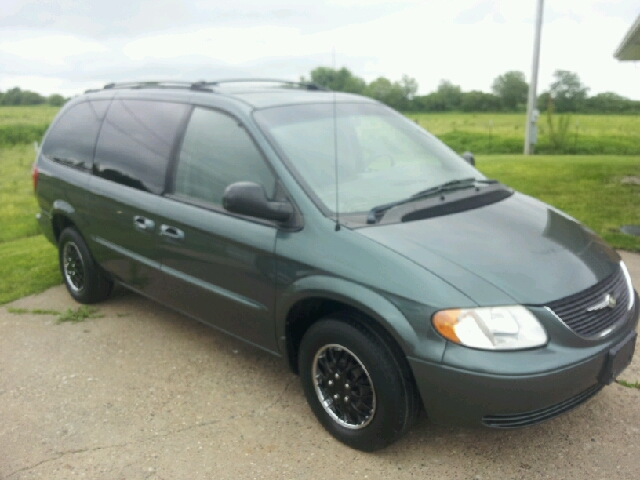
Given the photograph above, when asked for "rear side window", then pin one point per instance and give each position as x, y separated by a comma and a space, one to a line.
216, 152
72, 138
136, 141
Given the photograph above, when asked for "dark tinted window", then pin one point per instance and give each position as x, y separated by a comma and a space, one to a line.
216, 152
135, 142
73, 137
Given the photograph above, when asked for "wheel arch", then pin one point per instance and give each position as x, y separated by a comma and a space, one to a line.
63, 215
313, 298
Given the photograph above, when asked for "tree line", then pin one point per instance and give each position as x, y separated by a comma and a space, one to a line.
509, 93
16, 96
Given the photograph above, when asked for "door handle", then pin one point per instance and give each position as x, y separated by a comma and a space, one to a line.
143, 223
171, 232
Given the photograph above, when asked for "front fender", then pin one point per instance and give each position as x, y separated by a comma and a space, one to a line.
357, 296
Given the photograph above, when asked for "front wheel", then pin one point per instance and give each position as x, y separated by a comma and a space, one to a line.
355, 384
83, 278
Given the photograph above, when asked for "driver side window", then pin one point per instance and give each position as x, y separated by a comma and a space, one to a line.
216, 152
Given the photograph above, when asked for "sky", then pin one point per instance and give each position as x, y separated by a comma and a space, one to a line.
67, 46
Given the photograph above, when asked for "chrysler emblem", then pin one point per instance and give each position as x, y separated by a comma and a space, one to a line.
608, 301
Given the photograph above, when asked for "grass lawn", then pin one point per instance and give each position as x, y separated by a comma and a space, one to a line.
28, 265
17, 201
28, 262
586, 187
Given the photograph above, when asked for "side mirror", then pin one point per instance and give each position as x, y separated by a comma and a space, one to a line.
248, 198
469, 158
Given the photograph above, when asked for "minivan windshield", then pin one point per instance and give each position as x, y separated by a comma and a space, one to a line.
382, 156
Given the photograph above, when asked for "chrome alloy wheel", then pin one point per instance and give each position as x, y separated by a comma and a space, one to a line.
344, 387
73, 267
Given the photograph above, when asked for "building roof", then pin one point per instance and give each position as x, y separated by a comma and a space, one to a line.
629, 49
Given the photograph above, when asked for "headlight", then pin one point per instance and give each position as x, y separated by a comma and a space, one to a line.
491, 328
627, 278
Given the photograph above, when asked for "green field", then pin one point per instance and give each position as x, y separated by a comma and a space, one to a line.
498, 124
504, 133
27, 115
586, 187
481, 133
24, 124
512, 124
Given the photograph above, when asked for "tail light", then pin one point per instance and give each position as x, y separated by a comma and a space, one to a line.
34, 176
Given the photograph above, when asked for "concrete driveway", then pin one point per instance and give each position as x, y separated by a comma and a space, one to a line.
146, 393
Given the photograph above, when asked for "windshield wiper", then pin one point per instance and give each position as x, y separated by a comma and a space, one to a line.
376, 211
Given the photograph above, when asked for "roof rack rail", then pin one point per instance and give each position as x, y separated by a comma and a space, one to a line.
206, 85
305, 85
151, 84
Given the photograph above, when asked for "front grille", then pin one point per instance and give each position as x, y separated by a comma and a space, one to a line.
517, 420
573, 310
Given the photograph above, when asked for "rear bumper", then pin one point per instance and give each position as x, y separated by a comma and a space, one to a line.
463, 397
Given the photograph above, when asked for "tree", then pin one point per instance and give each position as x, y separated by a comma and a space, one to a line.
56, 100
609, 102
15, 96
429, 103
568, 92
543, 101
409, 87
339, 80
512, 89
476, 101
392, 94
450, 95
12, 96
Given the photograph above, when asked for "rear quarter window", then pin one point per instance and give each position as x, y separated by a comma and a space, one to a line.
136, 142
72, 137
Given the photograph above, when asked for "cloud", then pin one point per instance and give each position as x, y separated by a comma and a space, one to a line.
476, 13
469, 42
51, 49
129, 18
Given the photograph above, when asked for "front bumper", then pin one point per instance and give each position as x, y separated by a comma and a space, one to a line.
495, 397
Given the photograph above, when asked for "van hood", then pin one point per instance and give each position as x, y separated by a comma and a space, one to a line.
519, 249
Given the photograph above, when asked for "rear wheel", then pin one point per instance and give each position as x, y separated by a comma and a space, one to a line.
355, 384
83, 278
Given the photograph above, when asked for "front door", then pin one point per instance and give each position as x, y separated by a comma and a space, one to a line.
219, 267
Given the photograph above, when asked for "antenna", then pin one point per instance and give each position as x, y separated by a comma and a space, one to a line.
335, 146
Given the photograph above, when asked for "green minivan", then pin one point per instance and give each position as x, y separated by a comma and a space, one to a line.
330, 230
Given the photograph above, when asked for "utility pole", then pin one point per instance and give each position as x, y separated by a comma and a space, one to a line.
531, 103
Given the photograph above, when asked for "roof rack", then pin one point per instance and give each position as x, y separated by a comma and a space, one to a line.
150, 84
207, 85
305, 85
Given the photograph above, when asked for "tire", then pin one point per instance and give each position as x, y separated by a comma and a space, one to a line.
342, 345
82, 276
